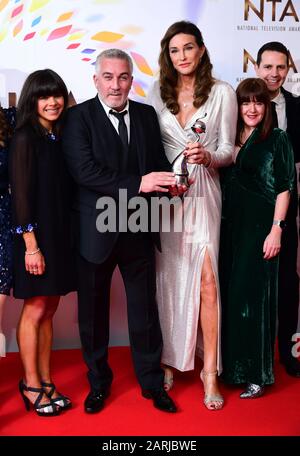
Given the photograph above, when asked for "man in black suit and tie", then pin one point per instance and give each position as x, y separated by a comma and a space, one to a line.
272, 66
112, 143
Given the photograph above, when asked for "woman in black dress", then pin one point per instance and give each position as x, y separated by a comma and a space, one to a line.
42, 255
7, 123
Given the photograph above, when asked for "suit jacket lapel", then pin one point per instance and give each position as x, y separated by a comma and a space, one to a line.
107, 135
137, 131
289, 106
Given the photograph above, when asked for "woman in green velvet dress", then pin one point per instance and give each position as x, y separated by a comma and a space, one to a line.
256, 197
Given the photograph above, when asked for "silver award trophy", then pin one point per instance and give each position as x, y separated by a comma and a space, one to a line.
179, 165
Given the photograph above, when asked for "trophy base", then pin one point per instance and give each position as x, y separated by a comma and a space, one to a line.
182, 180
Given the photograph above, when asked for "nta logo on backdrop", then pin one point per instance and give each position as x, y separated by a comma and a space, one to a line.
276, 10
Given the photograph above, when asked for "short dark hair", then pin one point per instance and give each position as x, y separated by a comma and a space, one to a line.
274, 46
254, 89
40, 83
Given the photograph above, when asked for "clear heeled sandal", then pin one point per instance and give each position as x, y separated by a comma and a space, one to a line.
2, 345
211, 401
168, 379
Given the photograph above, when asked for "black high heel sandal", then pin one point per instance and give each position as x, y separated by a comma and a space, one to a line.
61, 400
48, 409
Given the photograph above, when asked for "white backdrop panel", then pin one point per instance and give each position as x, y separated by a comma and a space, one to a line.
67, 35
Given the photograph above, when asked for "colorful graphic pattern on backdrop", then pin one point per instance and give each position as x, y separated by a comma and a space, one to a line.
81, 28
67, 35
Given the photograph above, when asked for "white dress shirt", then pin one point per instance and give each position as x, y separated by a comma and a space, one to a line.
279, 100
114, 120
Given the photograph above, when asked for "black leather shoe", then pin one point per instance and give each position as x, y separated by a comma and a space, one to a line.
292, 367
94, 401
161, 400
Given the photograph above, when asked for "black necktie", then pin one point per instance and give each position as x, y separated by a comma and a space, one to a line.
122, 129
274, 115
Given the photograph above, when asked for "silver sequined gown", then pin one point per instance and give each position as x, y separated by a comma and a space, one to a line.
180, 263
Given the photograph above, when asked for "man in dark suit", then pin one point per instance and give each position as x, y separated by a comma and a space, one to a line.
112, 143
272, 66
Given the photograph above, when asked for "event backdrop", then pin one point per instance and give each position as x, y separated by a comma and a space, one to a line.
67, 35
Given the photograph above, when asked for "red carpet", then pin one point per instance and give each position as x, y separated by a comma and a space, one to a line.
127, 413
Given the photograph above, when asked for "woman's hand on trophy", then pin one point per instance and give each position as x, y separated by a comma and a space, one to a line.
196, 154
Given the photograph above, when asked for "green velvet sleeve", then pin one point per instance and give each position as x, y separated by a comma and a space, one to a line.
284, 167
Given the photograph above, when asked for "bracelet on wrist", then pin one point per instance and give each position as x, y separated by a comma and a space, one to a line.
33, 252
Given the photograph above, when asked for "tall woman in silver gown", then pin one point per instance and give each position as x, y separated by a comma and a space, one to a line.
187, 269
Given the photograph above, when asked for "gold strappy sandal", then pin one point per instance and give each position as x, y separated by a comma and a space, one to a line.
211, 401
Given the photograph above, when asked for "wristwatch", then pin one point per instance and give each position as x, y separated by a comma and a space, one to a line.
280, 223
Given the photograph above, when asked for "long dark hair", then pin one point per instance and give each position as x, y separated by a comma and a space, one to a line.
254, 89
40, 83
169, 76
